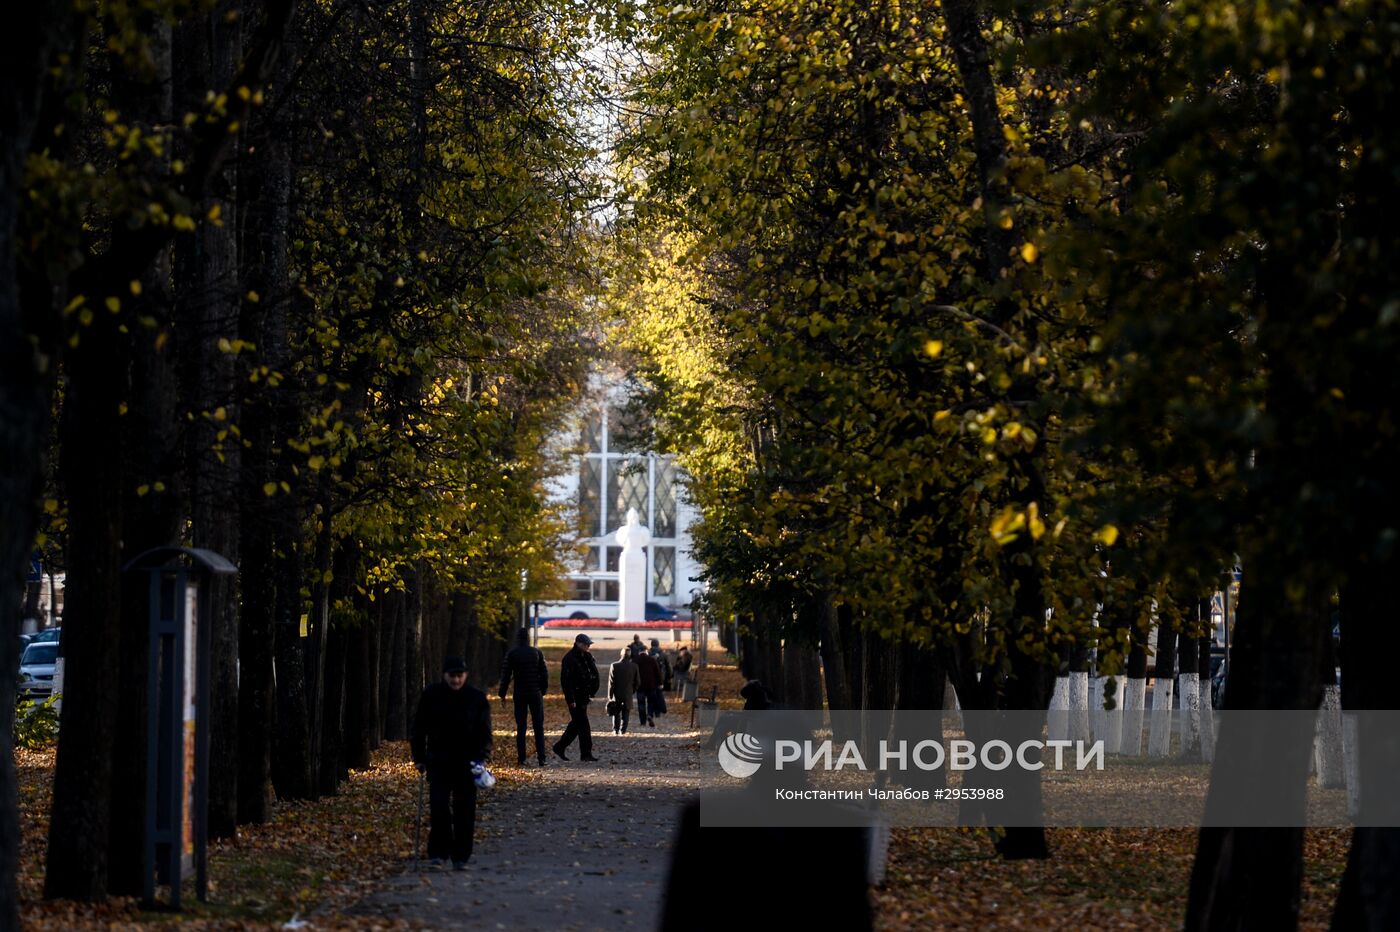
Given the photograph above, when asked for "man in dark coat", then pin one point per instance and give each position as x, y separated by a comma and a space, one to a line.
648, 689
578, 681
525, 664
451, 736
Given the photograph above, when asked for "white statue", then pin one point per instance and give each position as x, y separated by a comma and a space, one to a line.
632, 569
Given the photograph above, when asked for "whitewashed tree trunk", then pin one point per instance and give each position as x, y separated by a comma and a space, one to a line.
1331, 767
1207, 723
1351, 765
1096, 726
1134, 701
1112, 719
1190, 686
1160, 740
1078, 707
1057, 722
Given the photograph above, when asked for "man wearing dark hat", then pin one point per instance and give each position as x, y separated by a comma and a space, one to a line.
578, 681
451, 736
525, 665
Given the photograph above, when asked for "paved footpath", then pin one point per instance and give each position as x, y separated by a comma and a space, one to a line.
574, 846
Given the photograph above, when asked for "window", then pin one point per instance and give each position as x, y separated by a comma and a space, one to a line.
614, 559
627, 488
605, 590
589, 503
664, 521
580, 590
663, 571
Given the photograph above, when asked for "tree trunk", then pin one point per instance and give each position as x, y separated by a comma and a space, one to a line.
93, 436
922, 684
460, 623
291, 740
206, 279
974, 66
34, 34
1163, 691
332, 719
317, 644
1207, 709
396, 700
1252, 877
1188, 687
1369, 897
360, 713
413, 644
152, 519
854, 653
833, 656
1135, 693
882, 682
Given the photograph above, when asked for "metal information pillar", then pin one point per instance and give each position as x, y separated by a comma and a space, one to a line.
177, 717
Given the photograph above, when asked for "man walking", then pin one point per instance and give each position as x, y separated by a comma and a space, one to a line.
578, 681
525, 664
648, 688
622, 685
682, 668
663, 663
451, 740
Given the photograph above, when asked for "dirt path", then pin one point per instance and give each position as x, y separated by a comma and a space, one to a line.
572, 846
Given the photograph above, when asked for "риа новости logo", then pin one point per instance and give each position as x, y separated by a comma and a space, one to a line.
741, 755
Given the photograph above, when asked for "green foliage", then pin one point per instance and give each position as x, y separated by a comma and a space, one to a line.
890, 419
36, 723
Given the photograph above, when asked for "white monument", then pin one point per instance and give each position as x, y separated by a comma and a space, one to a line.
632, 569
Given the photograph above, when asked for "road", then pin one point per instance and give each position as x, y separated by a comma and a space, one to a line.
582, 846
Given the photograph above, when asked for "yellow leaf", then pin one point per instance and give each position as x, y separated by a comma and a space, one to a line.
135, 287
50, 506
215, 212
220, 413
1037, 526
142, 491
942, 415
934, 348
269, 488
252, 297
159, 486
316, 462
1029, 252
1107, 535
114, 304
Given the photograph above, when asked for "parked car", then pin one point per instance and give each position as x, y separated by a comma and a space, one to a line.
655, 611
47, 636
36, 669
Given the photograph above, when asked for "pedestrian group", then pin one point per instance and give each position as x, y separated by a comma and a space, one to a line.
451, 736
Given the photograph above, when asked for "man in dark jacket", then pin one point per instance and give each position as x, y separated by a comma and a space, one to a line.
451, 737
648, 689
578, 681
664, 663
526, 665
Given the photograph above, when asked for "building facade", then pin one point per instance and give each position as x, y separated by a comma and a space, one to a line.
609, 472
